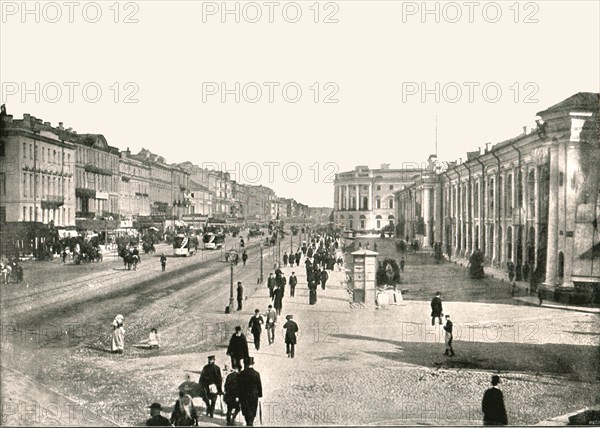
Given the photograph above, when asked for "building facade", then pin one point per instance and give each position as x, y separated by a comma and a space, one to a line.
96, 178
200, 199
364, 198
533, 200
37, 168
134, 188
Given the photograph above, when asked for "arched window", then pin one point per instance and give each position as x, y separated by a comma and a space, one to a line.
363, 222
391, 203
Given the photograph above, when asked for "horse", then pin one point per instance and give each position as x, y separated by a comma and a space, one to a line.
135, 260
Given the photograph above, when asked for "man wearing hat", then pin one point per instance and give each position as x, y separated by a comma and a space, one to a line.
156, 419
436, 308
255, 326
293, 283
270, 324
232, 394
492, 405
271, 284
291, 329
250, 387
238, 347
211, 383
448, 338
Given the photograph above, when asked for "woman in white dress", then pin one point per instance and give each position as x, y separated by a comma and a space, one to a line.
118, 335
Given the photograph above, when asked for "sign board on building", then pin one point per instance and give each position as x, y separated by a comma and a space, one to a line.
126, 223
102, 195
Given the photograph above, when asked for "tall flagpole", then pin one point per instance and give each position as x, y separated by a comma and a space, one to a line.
436, 136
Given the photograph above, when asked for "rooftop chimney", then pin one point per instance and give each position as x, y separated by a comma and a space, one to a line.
60, 126
487, 147
385, 166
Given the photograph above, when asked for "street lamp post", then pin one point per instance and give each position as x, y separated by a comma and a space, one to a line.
231, 287
261, 263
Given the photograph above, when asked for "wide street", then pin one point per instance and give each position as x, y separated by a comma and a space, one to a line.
353, 365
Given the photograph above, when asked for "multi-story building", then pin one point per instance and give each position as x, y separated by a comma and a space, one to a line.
36, 173
134, 188
180, 191
259, 203
200, 199
161, 191
96, 179
364, 198
534, 199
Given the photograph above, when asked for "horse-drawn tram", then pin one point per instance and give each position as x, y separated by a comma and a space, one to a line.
185, 245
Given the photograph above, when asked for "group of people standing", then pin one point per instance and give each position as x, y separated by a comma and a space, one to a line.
438, 312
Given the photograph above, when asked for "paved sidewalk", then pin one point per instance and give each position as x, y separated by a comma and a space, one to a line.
27, 402
535, 301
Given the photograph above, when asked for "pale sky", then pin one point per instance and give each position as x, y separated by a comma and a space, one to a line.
376, 59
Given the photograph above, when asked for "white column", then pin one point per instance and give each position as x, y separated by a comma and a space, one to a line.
426, 214
357, 206
347, 197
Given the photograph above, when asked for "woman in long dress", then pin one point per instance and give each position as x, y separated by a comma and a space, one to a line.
184, 414
118, 335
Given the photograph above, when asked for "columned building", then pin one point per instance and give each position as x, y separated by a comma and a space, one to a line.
533, 200
417, 204
364, 198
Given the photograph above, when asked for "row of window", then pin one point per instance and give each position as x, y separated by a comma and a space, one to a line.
365, 203
60, 216
354, 187
47, 185
89, 180
51, 156
97, 158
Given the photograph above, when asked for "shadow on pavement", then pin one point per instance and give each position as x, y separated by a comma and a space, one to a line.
576, 362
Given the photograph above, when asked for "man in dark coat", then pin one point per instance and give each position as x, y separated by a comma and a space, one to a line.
285, 258
211, 384
449, 336
250, 387
312, 292
293, 283
163, 261
244, 257
492, 405
291, 259
255, 325
291, 329
232, 394
324, 278
240, 295
278, 299
271, 284
436, 308
317, 274
238, 347
298, 257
